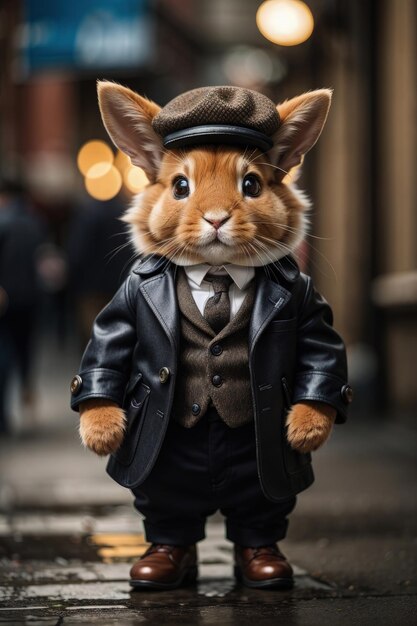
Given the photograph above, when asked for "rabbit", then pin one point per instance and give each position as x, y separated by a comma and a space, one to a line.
260, 229
221, 204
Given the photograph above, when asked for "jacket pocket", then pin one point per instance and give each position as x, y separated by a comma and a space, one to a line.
282, 326
135, 415
133, 382
294, 461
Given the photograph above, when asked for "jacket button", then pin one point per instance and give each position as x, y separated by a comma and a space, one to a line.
347, 394
195, 409
164, 374
216, 349
76, 384
217, 380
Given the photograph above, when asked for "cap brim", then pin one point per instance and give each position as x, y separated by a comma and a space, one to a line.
218, 134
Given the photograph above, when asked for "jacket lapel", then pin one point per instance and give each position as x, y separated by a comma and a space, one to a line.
270, 298
159, 292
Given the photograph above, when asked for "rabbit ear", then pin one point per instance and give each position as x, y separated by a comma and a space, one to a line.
302, 120
128, 120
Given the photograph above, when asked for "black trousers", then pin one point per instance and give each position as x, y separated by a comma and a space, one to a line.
203, 469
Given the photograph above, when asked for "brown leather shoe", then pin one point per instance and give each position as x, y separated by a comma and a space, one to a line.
263, 568
165, 567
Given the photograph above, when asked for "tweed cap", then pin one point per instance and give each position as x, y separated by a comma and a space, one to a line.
232, 115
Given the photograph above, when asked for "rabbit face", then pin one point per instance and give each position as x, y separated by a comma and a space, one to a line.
215, 204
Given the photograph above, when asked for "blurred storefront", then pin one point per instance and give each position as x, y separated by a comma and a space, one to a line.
363, 254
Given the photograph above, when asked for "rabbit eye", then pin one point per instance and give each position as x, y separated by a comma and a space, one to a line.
181, 188
251, 186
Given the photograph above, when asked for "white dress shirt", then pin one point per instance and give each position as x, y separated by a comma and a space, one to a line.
202, 289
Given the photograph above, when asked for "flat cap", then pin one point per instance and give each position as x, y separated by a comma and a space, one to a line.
219, 115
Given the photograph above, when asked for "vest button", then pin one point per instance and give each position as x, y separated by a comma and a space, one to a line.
217, 380
195, 409
216, 349
164, 374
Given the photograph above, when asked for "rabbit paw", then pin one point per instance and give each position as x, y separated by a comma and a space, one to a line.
309, 424
102, 425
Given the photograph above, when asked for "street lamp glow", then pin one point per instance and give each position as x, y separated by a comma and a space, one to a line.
135, 179
285, 22
92, 152
103, 181
122, 162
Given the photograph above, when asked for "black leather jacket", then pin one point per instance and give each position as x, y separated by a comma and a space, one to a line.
294, 355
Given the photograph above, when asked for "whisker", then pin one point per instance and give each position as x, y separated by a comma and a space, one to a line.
276, 167
120, 233
263, 248
316, 250
253, 246
116, 251
173, 155
312, 261
129, 262
291, 229
246, 253
254, 155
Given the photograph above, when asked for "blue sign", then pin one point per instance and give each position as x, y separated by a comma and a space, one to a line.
85, 34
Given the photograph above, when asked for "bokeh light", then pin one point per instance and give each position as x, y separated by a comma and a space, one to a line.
98, 169
105, 173
285, 22
103, 181
135, 179
247, 66
122, 162
92, 152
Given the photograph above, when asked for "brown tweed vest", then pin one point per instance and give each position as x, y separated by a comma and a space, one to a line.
212, 369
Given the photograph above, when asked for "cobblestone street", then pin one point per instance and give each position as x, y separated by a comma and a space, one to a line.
68, 535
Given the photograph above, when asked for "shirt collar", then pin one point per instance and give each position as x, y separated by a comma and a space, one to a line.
240, 274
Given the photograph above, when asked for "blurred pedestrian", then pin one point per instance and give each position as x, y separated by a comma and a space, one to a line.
20, 236
99, 256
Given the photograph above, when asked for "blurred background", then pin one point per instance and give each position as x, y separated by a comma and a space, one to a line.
63, 252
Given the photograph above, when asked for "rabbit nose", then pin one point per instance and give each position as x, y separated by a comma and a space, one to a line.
216, 223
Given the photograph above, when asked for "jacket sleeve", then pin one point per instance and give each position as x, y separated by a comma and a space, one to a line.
321, 372
106, 363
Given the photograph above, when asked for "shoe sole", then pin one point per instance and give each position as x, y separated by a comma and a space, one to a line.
271, 583
188, 577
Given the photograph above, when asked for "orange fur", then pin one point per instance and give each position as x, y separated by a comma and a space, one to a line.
309, 425
102, 425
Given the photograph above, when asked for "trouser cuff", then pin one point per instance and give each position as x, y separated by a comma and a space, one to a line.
184, 536
256, 537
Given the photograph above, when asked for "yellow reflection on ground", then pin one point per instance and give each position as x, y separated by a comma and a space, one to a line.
119, 545
117, 539
120, 552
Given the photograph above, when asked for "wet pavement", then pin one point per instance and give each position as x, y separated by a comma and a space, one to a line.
68, 536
